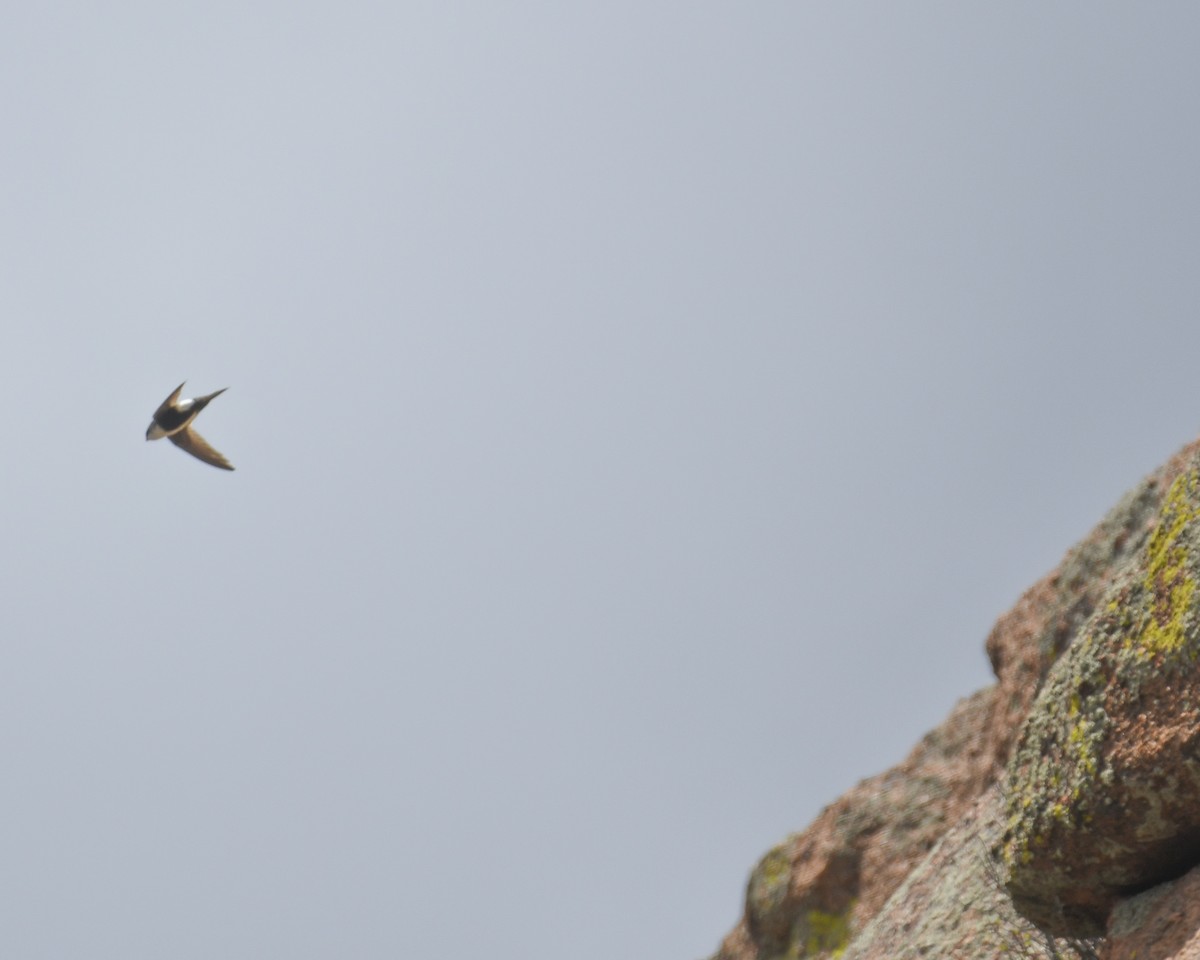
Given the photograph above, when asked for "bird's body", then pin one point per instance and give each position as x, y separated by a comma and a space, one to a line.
173, 420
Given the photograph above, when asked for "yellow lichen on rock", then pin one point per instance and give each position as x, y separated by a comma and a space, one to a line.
824, 933
1168, 582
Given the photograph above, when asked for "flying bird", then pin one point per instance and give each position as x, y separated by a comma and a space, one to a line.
174, 420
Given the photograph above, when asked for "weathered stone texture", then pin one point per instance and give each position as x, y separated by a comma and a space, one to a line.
930, 858
1161, 924
1104, 783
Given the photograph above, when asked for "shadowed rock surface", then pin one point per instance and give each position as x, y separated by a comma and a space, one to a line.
1161, 924
1044, 801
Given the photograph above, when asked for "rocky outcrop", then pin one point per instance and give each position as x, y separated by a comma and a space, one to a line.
1043, 802
813, 890
1104, 791
1160, 924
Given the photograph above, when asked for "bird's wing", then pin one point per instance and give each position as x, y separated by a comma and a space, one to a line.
189, 440
169, 402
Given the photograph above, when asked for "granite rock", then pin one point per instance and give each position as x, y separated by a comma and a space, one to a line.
1001, 833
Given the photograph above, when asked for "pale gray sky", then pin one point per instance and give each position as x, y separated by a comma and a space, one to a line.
641, 413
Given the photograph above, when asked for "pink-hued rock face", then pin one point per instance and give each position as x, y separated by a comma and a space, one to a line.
1161, 924
816, 888
941, 856
1104, 783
